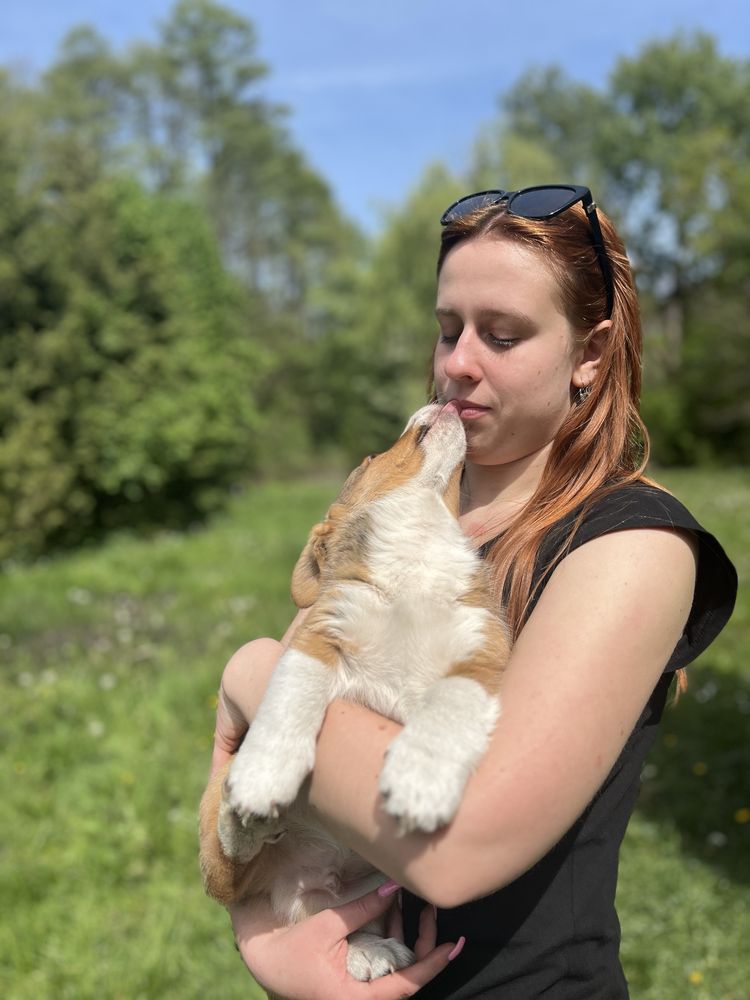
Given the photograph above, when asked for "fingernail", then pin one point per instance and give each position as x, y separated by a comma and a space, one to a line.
459, 947
388, 888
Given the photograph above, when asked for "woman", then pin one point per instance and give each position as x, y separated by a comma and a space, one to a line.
610, 588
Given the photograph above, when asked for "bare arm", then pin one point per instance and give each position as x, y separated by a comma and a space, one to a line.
242, 685
579, 676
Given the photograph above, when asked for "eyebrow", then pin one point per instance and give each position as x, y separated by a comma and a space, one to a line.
517, 318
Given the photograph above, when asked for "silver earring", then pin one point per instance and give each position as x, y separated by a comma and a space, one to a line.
583, 394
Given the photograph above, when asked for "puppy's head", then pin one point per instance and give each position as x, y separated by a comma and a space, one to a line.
430, 453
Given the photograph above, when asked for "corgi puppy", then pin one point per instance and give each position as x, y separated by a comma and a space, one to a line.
401, 620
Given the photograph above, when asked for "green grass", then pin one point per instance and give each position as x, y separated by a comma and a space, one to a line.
110, 659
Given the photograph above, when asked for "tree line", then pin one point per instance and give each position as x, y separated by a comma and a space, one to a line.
185, 306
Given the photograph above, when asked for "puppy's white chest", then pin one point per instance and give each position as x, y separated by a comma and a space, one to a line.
410, 626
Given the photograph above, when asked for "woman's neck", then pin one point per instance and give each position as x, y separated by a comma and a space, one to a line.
493, 495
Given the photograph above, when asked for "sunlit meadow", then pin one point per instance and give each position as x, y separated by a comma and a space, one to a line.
110, 662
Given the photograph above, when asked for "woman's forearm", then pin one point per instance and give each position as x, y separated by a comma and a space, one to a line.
344, 791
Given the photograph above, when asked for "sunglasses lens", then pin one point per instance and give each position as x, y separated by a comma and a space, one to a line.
541, 203
471, 204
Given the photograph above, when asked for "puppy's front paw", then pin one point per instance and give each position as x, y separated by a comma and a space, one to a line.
420, 788
370, 956
262, 782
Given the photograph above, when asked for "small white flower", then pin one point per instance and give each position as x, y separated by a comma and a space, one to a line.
706, 692
48, 676
242, 603
107, 682
95, 728
123, 613
25, 679
717, 839
78, 595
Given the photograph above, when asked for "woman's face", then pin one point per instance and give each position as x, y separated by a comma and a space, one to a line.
506, 352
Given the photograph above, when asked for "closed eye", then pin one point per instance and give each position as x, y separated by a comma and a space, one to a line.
422, 433
500, 342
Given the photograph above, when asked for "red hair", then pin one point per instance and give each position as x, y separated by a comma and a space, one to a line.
603, 443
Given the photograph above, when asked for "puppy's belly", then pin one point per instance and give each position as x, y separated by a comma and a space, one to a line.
395, 651
313, 873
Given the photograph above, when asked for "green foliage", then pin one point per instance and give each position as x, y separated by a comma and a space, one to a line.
665, 147
397, 304
110, 663
166, 252
184, 303
127, 368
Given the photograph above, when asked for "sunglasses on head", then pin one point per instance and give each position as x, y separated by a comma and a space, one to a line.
541, 202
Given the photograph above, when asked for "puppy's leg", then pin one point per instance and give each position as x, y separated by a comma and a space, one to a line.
279, 750
428, 764
227, 848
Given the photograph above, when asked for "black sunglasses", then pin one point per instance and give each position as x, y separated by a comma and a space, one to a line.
542, 202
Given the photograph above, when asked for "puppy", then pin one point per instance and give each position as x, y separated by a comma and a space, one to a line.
401, 620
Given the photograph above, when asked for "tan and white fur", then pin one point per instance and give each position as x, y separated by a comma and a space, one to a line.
401, 620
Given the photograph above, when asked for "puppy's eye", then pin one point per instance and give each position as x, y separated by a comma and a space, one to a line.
422, 433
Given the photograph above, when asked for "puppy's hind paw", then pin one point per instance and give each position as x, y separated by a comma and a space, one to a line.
242, 840
370, 956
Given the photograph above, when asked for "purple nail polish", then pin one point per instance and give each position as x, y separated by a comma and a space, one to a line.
388, 888
459, 947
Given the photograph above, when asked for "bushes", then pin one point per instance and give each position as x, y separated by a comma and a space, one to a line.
127, 369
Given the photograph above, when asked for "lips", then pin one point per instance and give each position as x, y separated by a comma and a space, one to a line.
466, 409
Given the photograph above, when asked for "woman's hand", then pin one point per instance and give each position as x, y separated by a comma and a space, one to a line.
307, 961
243, 684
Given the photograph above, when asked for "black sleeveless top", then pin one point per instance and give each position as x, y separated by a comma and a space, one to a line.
554, 932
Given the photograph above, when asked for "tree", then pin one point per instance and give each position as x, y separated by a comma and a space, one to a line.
665, 149
127, 370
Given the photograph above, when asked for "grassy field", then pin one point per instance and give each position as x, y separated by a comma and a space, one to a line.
109, 664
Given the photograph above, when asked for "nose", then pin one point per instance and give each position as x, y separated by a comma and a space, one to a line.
460, 360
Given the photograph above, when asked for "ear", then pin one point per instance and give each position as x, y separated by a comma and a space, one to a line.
307, 572
310, 565
589, 355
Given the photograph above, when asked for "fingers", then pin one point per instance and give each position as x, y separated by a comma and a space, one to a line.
395, 921
427, 938
351, 916
220, 756
430, 960
406, 982
243, 683
229, 732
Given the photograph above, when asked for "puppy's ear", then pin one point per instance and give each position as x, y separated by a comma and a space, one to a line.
306, 575
311, 564
307, 572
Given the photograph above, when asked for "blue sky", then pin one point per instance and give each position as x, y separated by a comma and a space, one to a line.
380, 89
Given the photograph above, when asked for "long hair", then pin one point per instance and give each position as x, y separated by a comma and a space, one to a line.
603, 443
